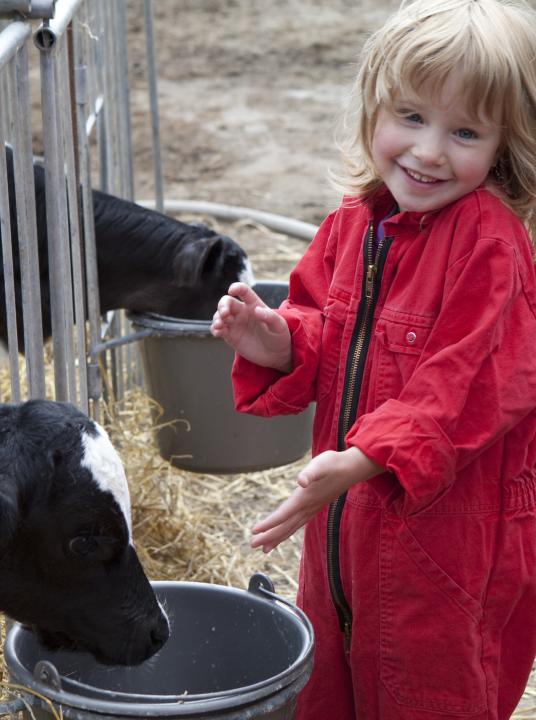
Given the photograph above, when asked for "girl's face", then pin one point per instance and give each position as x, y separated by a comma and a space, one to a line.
429, 152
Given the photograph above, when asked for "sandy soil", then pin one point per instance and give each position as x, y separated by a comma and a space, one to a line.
249, 94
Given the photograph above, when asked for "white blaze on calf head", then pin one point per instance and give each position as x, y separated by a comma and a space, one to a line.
101, 459
246, 276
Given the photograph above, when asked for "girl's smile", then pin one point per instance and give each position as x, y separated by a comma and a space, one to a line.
431, 152
419, 178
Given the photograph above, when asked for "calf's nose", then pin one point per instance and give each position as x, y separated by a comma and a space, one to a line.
146, 640
159, 632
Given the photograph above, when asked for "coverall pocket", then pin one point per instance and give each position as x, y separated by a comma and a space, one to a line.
400, 343
335, 314
431, 644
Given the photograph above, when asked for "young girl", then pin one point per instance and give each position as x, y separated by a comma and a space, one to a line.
411, 323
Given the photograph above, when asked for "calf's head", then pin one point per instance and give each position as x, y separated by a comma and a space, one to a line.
204, 266
68, 567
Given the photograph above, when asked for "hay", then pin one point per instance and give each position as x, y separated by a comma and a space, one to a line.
196, 527
189, 526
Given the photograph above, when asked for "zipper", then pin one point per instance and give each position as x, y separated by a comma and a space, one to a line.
374, 262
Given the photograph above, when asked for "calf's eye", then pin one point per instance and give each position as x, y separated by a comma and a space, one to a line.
83, 545
102, 548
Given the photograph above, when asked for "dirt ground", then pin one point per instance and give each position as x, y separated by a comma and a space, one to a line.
249, 94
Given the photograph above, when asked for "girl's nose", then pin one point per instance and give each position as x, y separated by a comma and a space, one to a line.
428, 149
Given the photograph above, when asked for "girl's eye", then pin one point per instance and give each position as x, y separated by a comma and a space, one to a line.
466, 134
412, 117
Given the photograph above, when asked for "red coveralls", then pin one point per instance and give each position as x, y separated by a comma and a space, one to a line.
423, 355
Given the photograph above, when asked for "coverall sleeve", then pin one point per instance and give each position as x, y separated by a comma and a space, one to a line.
475, 380
265, 391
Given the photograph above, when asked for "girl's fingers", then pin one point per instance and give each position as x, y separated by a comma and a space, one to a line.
272, 538
279, 525
222, 319
225, 306
244, 293
282, 514
273, 321
303, 481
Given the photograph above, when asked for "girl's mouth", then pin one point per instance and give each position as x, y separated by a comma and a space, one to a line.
420, 178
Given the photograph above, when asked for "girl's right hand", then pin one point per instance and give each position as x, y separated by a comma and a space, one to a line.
252, 329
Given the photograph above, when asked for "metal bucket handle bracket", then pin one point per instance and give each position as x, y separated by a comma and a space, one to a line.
44, 673
47, 674
260, 584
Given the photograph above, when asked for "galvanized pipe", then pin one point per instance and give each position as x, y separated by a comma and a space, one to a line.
88, 224
279, 223
7, 256
88, 42
12, 38
57, 226
124, 104
26, 221
90, 95
27, 8
119, 107
128, 360
66, 62
153, 94
111, 80
48, 32
109, 89
102, 124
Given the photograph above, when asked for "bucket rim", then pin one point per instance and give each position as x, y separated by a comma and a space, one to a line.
168, 324
116, 702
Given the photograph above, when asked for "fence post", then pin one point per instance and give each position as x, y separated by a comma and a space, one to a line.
26, 220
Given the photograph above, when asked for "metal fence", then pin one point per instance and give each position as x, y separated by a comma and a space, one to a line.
76, 61
64, 94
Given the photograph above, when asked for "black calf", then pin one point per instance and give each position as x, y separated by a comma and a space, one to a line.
67, 564
147, 261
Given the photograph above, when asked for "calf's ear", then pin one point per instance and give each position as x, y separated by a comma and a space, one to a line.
194, 259
9, 510
55, 457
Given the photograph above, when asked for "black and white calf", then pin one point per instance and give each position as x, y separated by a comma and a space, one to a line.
68, 567
147, 261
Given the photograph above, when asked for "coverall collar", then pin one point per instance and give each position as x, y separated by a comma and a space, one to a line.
379, 205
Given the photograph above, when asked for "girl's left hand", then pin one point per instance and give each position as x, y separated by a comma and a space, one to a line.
323, 479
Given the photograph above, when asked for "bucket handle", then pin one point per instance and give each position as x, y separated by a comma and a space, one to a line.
11, 707
124, 340
260, 584
46, 673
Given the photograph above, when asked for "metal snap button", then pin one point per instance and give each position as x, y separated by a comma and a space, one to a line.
411, 337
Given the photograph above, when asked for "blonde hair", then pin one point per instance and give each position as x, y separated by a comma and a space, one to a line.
492, 44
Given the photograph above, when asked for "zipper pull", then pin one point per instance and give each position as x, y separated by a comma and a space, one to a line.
369, 282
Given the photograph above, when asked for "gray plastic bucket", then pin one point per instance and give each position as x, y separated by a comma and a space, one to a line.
231, 654
188, 373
